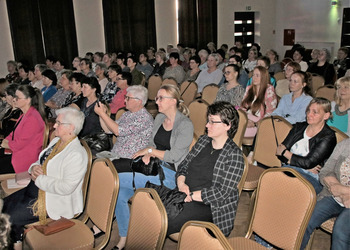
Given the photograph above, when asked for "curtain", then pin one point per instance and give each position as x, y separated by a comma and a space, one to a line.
25, 30
187, 17
207, 22
129, 25
58, 27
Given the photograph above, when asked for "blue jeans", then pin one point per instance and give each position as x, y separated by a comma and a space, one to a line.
324, 210
312, 178
126, 191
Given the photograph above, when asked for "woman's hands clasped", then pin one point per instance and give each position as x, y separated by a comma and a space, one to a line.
36, 171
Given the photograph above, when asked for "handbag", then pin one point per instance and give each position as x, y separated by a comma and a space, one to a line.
54, 226
172, 199
99, 142
152, 168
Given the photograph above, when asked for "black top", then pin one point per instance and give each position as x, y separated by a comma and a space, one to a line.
92, 121
9, 121
72, 99
162, 141
327, 71
200, 170
160, 70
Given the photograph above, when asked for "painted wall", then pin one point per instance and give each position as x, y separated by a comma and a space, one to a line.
166, 22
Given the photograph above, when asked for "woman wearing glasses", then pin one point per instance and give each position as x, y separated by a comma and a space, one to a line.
23, 145
124, 80
231, 91
210, 173
171, 138
57, 178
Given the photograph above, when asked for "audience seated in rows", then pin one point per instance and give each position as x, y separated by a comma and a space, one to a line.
282, 87
275, 65
323, 67
263, 61
243, 76
175, 70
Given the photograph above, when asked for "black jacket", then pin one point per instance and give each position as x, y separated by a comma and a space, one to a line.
320, 146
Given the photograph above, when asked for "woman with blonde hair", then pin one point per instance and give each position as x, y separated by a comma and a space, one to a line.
341, 106
171, 138
259, 100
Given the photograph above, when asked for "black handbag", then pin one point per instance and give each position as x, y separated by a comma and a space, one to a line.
98, 142
152, 168
173, 200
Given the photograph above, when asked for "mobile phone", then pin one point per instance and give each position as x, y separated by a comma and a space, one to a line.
98, 99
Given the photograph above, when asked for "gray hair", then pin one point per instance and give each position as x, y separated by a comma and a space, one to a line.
72, 116
216, 57
41, 67
139, 92
67, 72
203, 52
103, 66
328, 54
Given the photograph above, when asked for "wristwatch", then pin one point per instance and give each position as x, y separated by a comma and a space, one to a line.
150, 150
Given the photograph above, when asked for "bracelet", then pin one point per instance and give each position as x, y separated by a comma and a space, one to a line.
283, 152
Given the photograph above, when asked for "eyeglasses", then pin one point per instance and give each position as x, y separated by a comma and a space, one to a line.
18, 98
211, 122
227, 72
119, 79
61, 123
127, 98
160, 98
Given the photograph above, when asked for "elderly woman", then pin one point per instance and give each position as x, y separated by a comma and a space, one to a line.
10, 119
309, 144
323, 67
57, 178
334, 200
210, 173
292, 107
49, 81
175, 70
203, 55
231, 91
194, 70
23, 145
159, 68
171, 138
341, 106
211, 75
251, 61
282, 87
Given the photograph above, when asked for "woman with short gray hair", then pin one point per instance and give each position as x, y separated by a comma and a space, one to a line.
323, 68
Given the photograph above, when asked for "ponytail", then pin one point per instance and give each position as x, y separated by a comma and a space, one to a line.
37, 100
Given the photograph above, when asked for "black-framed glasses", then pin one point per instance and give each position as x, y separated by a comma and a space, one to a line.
160, 98
211, 122
127, 98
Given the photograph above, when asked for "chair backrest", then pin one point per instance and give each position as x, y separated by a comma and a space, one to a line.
209, 93
88, 169
154, 83
143, 80
46, 135
339, 134
195, 235
244, 175
117, 116
326, 91
279, 76
242, 125
283, 207
265, 144
188, 92
316, 82
102, 197
169, 81
194, 140
148, 221
198, 116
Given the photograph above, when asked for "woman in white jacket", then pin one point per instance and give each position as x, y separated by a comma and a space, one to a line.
57, 177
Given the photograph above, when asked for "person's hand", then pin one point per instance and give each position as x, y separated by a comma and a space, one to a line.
250, 124
140, 153
146, 159
100, 108
336, 189
346, 199
280, 149
185, 189
5, 143
315, 170
36, 171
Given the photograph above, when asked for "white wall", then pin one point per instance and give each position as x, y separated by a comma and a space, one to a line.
89, 26
165, 22
6, 50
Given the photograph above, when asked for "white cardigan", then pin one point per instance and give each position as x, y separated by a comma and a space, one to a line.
64, 180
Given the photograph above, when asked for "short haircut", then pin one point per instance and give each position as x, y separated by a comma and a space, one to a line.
51, 75
324, 103
67, 72
41, 67
77, 76
87, 61
161, 54
115, 68
296, 66
174, 55
203, 52
72, 116
301, 51
102, 66
139, 92
11, 89
132, 58
62, 62
196, 59
93, 83
344, 49
126, 76
266, 60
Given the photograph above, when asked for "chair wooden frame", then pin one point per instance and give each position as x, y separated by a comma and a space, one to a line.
339, 134
137, 233
188, 91
197, 230
242, 125
171, 81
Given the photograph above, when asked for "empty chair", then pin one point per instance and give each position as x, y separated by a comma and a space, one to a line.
282, 210
188, 92
317, 81
265, 148
101, 199
148, 221
243, 121
326, 91
198, 116
195, 235
209, 93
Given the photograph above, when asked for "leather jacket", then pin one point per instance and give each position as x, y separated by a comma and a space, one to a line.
320, 146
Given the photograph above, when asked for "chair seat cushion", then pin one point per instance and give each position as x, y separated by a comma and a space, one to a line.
253, 176
244, 243
328, 225
66, 239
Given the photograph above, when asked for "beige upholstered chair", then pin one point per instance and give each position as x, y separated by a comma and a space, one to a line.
194, 140
317, 81
154, 84
279, 76
265, 148
195, 235
326, 91
148, 221
188, 92
282, 209
242, 125
209, 93
339, 134
198, 116
101, 200
117, 116
170, 81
